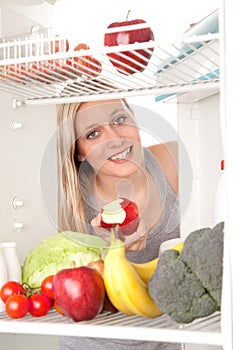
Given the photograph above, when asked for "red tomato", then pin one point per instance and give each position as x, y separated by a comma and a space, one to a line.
39, 305
47, 286
87, 64
10, 288
17, 306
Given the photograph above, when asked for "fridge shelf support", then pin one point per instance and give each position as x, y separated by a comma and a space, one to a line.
56, 78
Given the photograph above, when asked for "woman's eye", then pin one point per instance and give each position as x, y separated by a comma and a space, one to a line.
92, 134
120, 120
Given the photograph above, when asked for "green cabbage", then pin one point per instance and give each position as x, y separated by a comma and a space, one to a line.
60, 251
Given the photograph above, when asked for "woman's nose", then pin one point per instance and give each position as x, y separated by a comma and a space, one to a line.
114, 137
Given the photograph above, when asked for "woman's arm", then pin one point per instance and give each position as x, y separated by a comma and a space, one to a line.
167, 156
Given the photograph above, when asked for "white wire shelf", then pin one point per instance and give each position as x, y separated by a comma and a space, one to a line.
35, 75
119, 326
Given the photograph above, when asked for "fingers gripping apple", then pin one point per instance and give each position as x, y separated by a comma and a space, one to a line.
123, 212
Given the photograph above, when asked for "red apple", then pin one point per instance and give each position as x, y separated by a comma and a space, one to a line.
98, 265
79, 292
129, 37
50, 71
123, 212
60, 45
87, 64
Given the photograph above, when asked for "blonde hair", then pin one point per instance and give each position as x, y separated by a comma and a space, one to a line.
71, 213
71, 209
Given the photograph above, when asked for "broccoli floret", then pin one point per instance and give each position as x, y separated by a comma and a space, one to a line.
203, 253
177, 291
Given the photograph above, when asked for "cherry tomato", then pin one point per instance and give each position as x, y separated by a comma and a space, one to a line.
47, 286
39, 305
51, 301
17, 306
10, 288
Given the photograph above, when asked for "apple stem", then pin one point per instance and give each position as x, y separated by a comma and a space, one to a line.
127, 17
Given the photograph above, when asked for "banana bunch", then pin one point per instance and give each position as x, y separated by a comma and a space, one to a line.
126, 282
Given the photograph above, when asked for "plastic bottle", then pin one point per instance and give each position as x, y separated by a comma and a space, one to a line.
12, 261
3, 275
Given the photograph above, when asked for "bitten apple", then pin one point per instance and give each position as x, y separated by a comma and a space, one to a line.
123, 212
129, 37
79, 292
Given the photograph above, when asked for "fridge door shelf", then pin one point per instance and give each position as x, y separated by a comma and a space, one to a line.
36, 76
119, 326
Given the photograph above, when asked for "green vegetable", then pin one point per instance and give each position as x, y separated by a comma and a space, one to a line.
188, 285
203, 253
60, 251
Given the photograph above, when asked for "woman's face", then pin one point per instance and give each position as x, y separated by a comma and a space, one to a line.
108, 137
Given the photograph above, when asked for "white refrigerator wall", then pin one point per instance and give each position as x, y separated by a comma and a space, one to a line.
200, 131
22, 152
25, 133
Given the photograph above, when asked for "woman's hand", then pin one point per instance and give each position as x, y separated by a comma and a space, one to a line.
133, 242
99, 230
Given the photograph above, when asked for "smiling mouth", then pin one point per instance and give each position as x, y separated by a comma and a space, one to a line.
122, 155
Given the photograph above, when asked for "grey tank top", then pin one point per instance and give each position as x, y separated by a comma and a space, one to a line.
167, 228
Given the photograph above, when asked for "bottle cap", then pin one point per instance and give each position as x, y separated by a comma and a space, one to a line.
8, 244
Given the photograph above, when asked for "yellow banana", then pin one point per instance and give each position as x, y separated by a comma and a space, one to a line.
112, 287
125, 289
146, 270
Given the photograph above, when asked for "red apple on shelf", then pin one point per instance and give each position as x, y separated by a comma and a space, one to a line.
98, 265
122, 212
129, 37
87, 64
59, 66
79, 292
59, 45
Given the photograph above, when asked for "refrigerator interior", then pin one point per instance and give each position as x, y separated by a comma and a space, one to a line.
186, 73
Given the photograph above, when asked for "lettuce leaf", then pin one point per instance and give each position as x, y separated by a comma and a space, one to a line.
60, 251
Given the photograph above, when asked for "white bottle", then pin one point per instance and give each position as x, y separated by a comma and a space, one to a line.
3, 275
12, 261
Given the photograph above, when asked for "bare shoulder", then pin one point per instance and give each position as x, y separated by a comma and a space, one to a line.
167, 156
